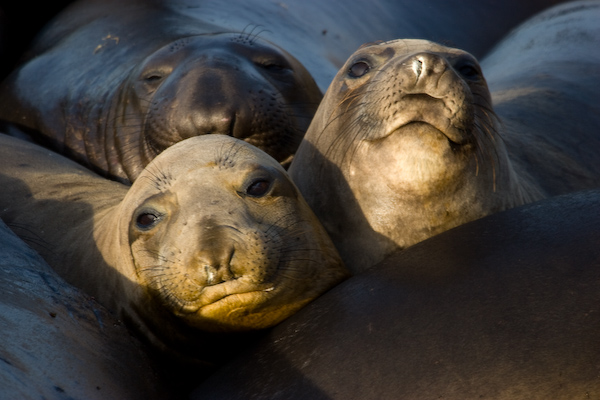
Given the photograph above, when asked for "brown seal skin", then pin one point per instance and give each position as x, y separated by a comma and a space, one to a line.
44, 319
505, 307
213, 238
408, 142
113, 83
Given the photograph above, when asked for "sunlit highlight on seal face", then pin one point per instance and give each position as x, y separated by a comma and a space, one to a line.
403, 146
212, 240
227, 243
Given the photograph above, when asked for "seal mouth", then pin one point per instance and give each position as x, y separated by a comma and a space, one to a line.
456, 137
222, 292
449, 118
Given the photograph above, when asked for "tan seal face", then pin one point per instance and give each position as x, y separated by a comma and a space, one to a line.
402, 148
224, 240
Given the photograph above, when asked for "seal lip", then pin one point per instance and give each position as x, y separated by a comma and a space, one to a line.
456, 138
213, 294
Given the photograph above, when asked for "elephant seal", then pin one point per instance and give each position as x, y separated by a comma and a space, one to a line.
505, 307
136, 95
113, 83
406, 143
44, 320
212, 238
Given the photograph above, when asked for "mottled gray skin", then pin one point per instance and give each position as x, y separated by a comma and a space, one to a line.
212, 240
503, 308
408, 142
60, 344
113, 83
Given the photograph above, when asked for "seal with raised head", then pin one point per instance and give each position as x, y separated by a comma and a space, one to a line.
212, 238
111, 84
505, 307
406, 143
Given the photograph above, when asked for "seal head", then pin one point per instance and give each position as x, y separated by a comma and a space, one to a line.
212, 241
229, 84
222, 242
407, 138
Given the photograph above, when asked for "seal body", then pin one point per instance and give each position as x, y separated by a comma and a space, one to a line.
58, 343
213, 238
408, 141
505, 307
113, 83
130, 94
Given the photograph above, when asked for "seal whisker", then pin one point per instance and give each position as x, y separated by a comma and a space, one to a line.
283, 218
250, 36
340, 137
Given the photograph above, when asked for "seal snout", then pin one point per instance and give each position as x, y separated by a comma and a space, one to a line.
212, 261
216, 269
432, 92
425, 65
427, 69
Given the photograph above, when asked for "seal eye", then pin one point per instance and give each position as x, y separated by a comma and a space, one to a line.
258, 188
273, 67
147, 220
358, 69
153, 78
468, 71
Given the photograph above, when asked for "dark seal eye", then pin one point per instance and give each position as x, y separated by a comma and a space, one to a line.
358, 69
258, 188
153, 78
273, 66
468, 71
147, 220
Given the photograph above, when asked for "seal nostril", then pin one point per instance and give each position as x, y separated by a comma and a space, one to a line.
210, 274
417, 67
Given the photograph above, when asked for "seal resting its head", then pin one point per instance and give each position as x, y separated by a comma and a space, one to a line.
132, 98
229, 84
213, 237
406, 145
